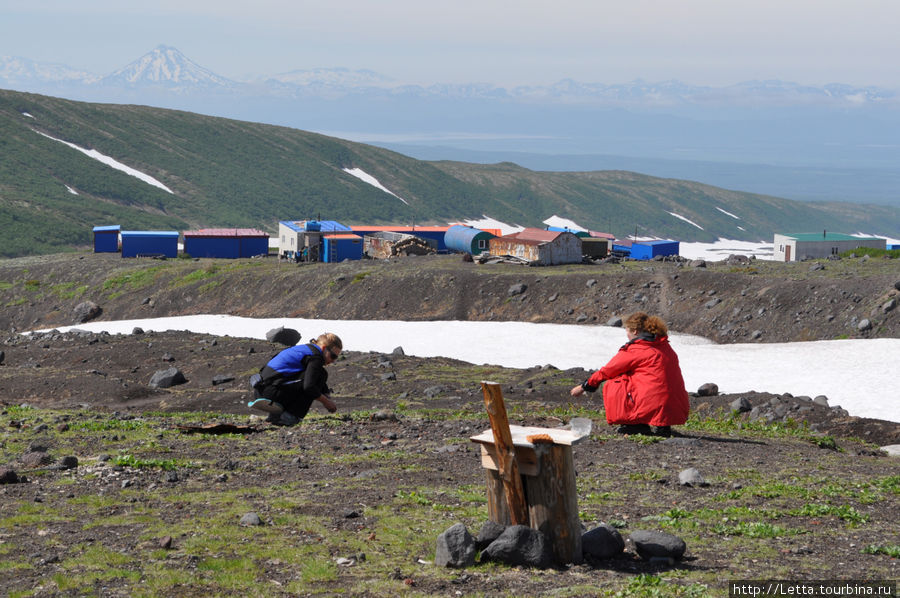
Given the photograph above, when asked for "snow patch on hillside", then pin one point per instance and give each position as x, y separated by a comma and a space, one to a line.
368, 178
486, 222
680, 217
112, 162
727, 213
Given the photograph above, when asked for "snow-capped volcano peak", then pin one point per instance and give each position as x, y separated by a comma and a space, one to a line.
166, 66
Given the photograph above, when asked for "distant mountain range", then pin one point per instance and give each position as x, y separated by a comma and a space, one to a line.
67, 166
167, 67
834, 142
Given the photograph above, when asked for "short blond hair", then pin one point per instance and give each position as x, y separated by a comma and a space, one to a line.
329, 340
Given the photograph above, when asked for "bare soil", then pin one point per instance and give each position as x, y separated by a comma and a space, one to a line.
810, 470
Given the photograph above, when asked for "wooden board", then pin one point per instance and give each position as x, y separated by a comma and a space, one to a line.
521, 433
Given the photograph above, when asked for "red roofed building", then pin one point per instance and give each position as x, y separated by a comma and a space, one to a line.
539, 246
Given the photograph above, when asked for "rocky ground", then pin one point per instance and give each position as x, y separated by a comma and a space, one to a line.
121, 490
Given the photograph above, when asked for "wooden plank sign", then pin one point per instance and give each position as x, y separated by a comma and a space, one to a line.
505, 453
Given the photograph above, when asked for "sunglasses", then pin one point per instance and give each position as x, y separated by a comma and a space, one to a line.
334, 355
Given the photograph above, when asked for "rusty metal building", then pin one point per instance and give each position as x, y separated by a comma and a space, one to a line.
540, 247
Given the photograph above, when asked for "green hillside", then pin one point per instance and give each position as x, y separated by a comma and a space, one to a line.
231, 173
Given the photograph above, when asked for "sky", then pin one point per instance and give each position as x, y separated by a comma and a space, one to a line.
863, 384
501, 42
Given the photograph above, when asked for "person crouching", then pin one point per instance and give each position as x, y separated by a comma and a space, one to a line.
296, 377
642, 384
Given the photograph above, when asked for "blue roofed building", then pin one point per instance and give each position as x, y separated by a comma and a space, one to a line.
106, 239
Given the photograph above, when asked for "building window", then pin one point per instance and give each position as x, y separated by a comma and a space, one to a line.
481, 244
834, 251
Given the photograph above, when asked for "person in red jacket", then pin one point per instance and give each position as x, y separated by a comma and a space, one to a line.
642, 385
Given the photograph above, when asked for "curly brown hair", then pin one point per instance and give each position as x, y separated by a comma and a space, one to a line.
641, 322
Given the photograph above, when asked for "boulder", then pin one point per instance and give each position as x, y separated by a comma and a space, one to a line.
283, 336
708, 390
221, 379
167, 378
490, 531
602, 542
251, 519
455, 548
520, 546
691, 477
86, 311
741, 405
8, 476
614, 321
650, 544
516, 289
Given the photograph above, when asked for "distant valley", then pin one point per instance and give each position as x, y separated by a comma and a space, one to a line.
832, 142
216, 172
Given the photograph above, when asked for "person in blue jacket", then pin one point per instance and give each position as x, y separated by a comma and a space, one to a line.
293, 379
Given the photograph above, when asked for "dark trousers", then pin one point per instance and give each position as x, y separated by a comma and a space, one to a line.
288, 394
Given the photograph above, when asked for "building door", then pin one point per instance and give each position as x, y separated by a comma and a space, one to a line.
787, 253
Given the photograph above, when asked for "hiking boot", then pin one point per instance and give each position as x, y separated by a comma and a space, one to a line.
664, 431
634, 429
267, 405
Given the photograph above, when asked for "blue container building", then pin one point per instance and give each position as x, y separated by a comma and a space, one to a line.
645, 250
106, 239
341, 246
149, 243
226, 242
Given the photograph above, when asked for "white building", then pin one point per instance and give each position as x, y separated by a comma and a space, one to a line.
791, 247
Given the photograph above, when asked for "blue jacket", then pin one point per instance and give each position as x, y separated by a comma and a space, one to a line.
292, 360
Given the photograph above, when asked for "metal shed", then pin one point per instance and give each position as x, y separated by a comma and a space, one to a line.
790, 247
106, 239
337, 247
149, 243
467, 239
226, 242
593, 247
645, 250
540, 247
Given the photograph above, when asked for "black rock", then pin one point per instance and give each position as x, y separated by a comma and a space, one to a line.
167, 378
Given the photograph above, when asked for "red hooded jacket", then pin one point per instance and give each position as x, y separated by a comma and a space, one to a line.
644, 385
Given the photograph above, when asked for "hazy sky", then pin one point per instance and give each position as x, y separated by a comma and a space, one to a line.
714, 42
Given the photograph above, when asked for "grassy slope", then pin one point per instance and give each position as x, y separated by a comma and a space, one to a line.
232, 173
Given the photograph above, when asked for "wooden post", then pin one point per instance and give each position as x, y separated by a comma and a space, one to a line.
506, 453
553, 501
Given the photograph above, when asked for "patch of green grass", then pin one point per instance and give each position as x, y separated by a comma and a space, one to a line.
754, 529
132, 280
132, 461
891, 551
888, 484
845, 512
16, 302
104, 425
32, 284
68, 290
871, 252
4, 285
360, 276
20, 410
195, 276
